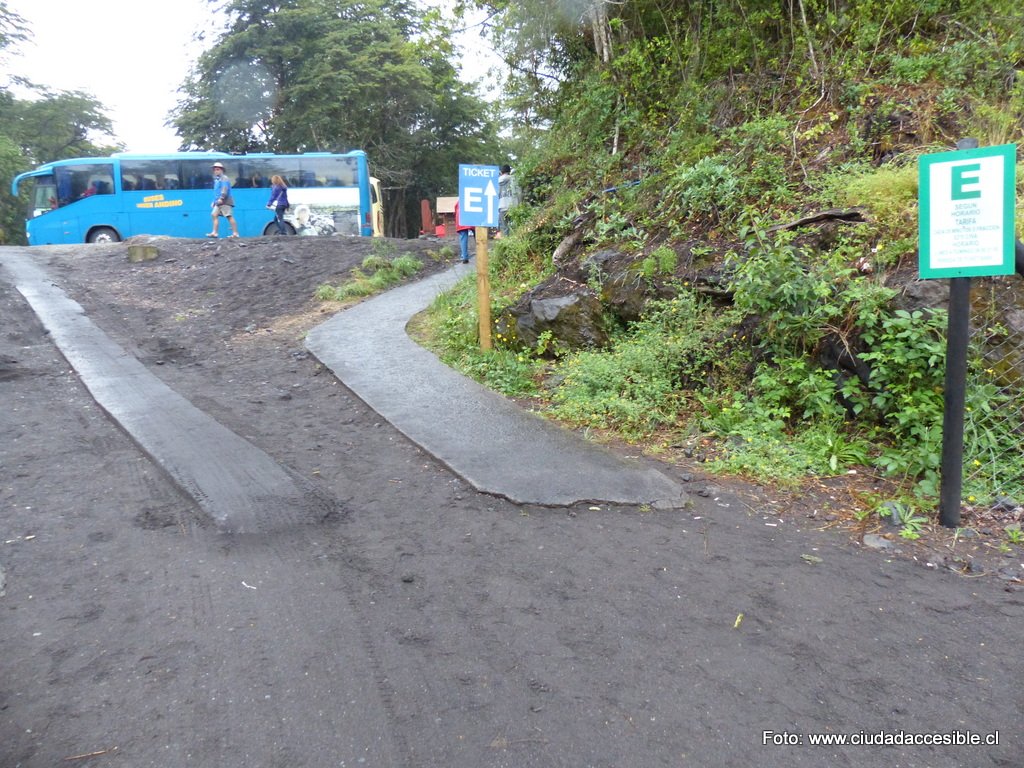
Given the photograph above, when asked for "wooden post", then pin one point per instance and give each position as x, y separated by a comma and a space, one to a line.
427, 224
483, 288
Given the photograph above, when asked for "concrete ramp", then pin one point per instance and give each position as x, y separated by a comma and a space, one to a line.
239, 486
495, 445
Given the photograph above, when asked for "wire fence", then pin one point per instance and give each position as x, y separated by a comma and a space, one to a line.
994, 425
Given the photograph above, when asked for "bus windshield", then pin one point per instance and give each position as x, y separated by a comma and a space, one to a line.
110, 199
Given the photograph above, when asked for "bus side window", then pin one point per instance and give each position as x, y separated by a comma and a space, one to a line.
63, 187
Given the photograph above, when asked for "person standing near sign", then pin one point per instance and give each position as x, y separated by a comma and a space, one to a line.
508, 196
463, 233
223, 202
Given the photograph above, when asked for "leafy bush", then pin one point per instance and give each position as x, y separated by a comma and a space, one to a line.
641, 383
708, 191
799, 298
759, 152
662, 261
801, 301
889, 192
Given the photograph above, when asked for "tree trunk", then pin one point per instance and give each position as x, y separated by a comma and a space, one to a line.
597, 16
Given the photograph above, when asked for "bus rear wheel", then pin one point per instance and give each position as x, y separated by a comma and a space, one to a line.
103, 235
271, 229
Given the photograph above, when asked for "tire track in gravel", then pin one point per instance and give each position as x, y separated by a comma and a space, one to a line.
238, 485
260, 654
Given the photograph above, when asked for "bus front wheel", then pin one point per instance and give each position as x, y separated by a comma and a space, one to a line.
103, 235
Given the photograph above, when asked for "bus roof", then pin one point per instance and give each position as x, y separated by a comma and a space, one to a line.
43, 168
198, 155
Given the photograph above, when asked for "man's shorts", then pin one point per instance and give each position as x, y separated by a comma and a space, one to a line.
224, 210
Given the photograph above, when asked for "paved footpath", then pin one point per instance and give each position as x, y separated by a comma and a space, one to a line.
492, 443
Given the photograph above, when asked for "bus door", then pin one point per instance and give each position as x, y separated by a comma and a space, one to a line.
42, 201
69, 202
376, 207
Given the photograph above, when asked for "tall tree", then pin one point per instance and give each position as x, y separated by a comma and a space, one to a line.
332, 75
13, 28
50, 125
57, 124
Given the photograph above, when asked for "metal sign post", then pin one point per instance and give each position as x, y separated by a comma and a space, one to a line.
478, 207
955, 398
966, 229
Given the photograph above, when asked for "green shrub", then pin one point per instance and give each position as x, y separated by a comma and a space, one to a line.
708, 191
383, 273
641, 383
889, 193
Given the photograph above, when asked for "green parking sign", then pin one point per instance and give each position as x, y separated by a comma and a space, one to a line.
966, 212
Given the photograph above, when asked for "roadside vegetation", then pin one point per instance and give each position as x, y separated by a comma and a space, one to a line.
690, 138
753, 162
381, 270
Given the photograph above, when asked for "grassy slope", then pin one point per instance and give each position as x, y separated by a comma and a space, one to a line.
760, 133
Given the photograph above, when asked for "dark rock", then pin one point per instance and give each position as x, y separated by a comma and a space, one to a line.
925, 294
1015, 320
1011, 574
626, 296
600, 261
575, 320
874, 541
893, 518
1004, 504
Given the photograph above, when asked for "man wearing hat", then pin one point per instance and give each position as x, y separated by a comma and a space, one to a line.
223, 203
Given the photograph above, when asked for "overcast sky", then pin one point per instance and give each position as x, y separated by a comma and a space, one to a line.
131, 55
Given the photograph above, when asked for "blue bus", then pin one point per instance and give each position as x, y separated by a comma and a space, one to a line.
108, 199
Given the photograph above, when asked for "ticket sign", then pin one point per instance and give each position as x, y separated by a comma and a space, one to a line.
478, 195
966, 212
